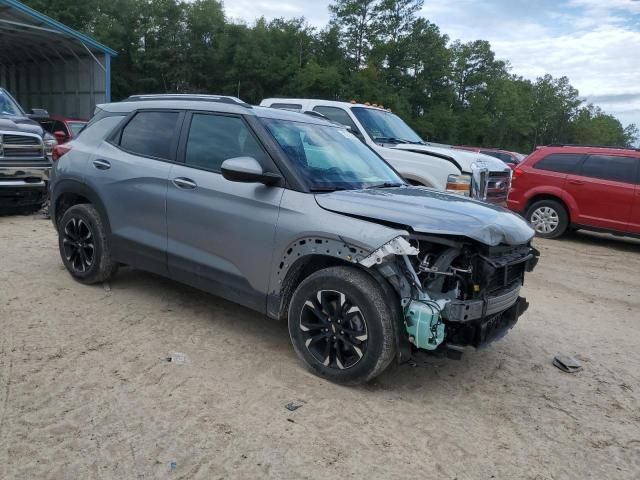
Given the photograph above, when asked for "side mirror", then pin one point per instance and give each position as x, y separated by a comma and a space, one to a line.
38, 113
247, 170
61, 137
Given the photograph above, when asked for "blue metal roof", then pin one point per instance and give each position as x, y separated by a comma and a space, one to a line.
48, 22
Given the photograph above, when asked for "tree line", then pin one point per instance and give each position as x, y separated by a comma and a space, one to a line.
379, 51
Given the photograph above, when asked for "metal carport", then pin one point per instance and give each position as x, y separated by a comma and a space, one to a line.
45, 64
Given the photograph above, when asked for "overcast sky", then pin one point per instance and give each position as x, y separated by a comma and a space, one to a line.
596, 43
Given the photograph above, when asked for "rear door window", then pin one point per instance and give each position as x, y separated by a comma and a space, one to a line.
611, 167
151, 134
215, 138
560, 162
336, 114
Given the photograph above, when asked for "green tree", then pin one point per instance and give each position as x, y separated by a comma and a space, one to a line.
356, 20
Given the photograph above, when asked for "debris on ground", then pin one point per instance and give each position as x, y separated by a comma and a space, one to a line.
566, 363
293, 406
177, 357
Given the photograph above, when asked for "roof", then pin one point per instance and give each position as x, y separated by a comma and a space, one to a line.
26, 34
207, 105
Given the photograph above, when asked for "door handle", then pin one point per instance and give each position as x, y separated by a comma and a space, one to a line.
101, 164
576, 182
184, 183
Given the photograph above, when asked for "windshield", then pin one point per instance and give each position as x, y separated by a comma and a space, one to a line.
330, 158
8, 106
385, 127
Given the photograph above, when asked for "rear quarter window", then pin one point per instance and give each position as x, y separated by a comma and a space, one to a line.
560, 162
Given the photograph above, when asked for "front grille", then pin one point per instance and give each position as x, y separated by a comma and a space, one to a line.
503, 269
21, 147
498, 186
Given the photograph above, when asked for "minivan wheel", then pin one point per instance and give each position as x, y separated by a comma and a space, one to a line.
548, 218
341, 326
83, 245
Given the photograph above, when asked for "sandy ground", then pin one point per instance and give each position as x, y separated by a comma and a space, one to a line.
86, 393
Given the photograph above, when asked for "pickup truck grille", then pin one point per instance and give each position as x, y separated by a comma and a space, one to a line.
498, 187
21, 147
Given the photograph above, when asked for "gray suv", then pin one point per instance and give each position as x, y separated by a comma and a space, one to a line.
294, 217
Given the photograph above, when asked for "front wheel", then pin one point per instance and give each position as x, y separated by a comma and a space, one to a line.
340, 325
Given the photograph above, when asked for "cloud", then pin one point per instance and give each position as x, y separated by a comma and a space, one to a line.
596, 43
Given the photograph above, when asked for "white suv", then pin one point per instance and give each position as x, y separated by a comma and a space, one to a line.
419, 162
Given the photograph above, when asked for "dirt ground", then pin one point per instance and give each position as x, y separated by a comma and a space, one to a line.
86, 391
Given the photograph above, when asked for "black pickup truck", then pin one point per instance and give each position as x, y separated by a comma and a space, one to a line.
25, 157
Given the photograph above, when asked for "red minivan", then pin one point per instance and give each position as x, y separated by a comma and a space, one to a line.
576, 186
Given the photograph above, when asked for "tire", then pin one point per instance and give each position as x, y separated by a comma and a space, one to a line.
83, 245
348, 355
549, 218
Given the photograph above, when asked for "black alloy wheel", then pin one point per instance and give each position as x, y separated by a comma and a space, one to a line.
334, 329
78, 244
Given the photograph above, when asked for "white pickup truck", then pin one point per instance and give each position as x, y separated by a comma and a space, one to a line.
419, 162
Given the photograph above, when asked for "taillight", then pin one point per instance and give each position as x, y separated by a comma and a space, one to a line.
59, 151
518, 172
460, 184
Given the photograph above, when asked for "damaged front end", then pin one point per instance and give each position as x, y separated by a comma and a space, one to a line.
455, 293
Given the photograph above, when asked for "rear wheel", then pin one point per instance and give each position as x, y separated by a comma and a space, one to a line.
83, 245
549, 218
341, 326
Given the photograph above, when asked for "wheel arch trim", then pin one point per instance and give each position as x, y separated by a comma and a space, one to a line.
76, 187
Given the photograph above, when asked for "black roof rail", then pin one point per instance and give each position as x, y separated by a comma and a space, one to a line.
592, 146
196, 97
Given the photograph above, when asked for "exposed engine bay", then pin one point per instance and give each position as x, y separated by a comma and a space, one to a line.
455, 293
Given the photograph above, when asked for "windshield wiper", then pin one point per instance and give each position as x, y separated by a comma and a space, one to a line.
326, 189
389, 140
385, 185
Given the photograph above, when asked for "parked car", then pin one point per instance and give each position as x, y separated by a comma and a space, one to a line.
419, 162
559, 187
512, 159
292, 216
25, 150
62, 128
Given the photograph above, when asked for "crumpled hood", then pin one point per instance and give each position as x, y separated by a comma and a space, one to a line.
19, 124
430, 211
464, 158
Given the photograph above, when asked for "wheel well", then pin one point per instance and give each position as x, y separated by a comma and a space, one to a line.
306, 266
546, 196
65, 202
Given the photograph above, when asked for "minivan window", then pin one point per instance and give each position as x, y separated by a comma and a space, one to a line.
560, 162
150, 134
337, 115
611, 167
215, 138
